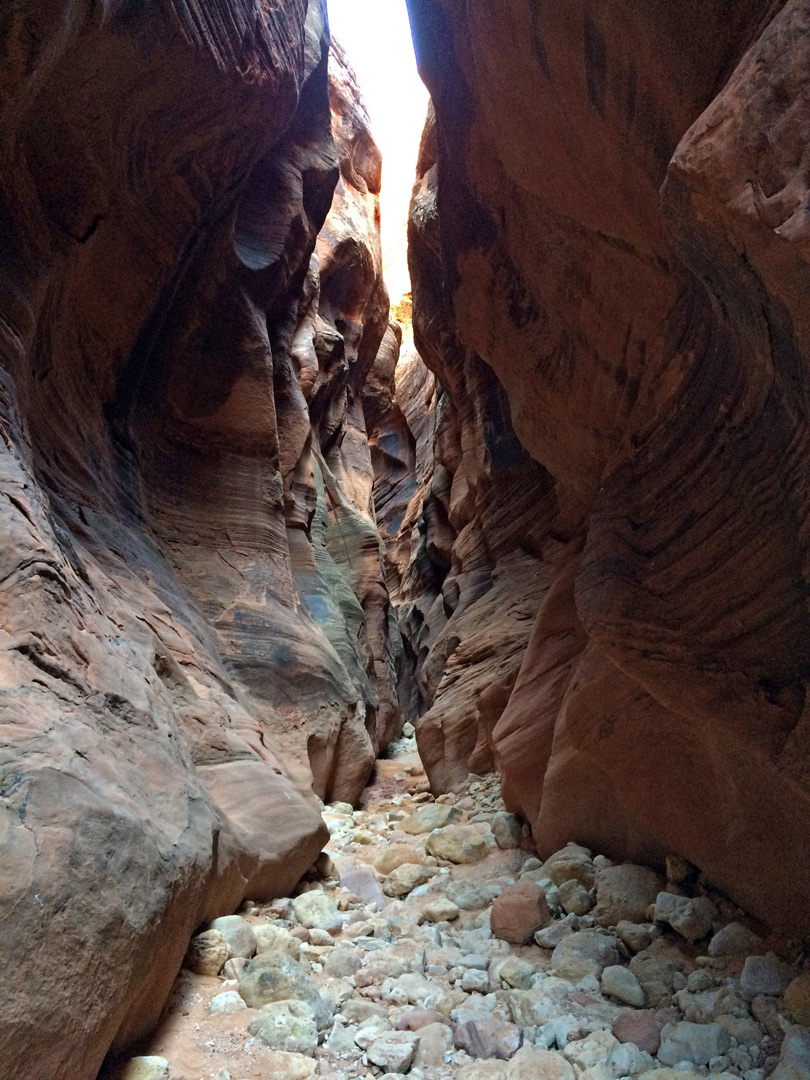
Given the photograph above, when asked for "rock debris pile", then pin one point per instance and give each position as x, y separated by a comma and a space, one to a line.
429, 941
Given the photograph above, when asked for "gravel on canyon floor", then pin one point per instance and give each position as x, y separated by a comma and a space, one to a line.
430, 942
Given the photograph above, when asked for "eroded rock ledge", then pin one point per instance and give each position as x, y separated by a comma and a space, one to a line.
616, 225
193, 611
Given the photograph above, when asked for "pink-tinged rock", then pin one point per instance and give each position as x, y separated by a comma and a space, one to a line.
638, 1026
362, 881
536, 1063
414, 1019
519, 912
488, 1038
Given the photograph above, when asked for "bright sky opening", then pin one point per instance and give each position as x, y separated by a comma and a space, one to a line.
376, 35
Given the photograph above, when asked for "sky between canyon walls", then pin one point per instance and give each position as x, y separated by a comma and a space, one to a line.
376, 35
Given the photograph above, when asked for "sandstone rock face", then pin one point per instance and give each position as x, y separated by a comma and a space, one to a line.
399, 403
616, 225
193, 612
464, 567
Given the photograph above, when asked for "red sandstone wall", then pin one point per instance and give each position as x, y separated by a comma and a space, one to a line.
621, 210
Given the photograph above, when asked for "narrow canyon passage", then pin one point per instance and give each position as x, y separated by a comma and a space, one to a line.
504, 577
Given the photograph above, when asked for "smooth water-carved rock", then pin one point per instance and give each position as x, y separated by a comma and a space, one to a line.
455, 492
193, 612
617, 229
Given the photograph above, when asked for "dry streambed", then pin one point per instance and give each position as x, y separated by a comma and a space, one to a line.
429, 941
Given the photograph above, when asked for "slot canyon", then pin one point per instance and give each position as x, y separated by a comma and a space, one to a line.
423, 677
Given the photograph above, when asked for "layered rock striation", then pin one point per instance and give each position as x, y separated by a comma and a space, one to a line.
618, 214
195, 629
468, 573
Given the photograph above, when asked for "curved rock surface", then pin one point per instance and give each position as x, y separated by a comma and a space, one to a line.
456, 496
189, 559
620, 205
476, 574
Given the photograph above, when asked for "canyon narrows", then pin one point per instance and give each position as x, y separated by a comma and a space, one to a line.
252, 525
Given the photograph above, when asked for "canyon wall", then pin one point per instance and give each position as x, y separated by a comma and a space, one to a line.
465, 567
609, 252
195, 628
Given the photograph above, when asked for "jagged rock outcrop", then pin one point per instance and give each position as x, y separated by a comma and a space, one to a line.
189, 563
621, 204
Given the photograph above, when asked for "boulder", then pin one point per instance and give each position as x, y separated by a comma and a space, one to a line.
794, 1059
636, 936
535, 1063
435, 1044
735, 939
584, 953
414, 989
486, 1037
145, 1068
533, 1008
638, 1026
281, 1065
362, 882
482, 1070
441, 910
697, 1043
287, 1025
472, 895
416, 1019
572, 861
519, 912
370, 1030
429, 817
475, 982
394, 1050
238, 934
272, 977
359, 1010
515, 972
797, 999
507, 829
234, 968
461, 843
406, 877
395, 856
624, 893
603, 1051
574, 898
691, 918
765, 975
657, 975
315, 910
272, 938
229, 1001
342, 963
621, 984
207, 953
